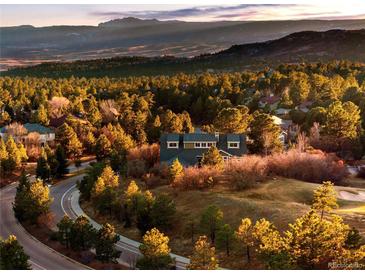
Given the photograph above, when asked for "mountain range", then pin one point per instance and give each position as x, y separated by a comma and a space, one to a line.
24, 45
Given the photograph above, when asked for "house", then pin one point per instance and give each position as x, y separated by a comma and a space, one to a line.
289, 130
189, 148
44, 134
272, 101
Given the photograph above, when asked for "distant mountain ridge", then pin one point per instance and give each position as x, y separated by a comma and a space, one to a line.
130, 36
307, 46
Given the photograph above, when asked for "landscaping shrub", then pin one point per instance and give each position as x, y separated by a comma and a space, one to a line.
136, 168
312, 167
245, 172
150, 154
198, 178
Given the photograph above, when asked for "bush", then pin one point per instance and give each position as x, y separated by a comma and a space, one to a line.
198, 178
136, 168
312, 167
245, 172
150, 154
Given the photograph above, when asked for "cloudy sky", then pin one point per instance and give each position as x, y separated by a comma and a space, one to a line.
45, 15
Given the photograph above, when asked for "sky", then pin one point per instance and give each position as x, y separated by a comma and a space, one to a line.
46, 15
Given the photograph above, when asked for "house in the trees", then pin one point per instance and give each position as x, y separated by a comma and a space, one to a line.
189, 148
28, 134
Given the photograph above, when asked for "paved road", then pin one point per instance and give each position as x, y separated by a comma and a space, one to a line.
41, 256
66, 201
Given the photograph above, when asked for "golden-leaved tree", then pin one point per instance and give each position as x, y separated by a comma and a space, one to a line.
203, 257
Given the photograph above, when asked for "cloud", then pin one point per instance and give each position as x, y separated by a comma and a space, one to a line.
193, 12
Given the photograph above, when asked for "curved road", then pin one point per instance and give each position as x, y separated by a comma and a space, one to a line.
41, 256
66, 201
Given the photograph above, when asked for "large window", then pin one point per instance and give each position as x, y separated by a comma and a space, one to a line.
172, 144
233, 145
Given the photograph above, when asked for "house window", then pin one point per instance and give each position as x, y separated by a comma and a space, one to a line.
204, 145
197, 145
233, 145
225, 158
172, 145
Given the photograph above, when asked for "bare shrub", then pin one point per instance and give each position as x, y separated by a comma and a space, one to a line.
136, 168
109, 111
198, 178
16, 129
312, 167
57, 106
245, 172
152, 180
150, 154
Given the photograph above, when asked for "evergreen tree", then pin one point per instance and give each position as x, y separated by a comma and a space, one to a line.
156, 251
325, 198
69, 141
212, 158
43, 171
162, 211
22, 152
64, 230
203, 257
264, 134
14, 156
225, 237
233, 120
103, 147
62, 162
106, 238
211, 221
3, 156
89, 142
32, 203
12, 255
176, 171
41, 116
244, 234
82, 234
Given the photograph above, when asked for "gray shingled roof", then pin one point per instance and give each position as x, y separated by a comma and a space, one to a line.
32, 127
192, 137
233, 138
172, 137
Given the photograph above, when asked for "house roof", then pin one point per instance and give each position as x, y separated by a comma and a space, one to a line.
173, 137
32, 127
37, 128
233, 138
192, 137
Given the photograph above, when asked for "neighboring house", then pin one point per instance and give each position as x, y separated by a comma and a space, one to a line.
44, 134
272, 101
305, 106
289, 130
189, 148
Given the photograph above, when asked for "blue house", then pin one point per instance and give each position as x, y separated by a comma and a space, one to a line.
189, 148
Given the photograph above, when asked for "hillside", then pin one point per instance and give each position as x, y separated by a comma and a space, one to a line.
130, 36
307, 46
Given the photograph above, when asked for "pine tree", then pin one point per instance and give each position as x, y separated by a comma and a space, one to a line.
325, 198
14, 156
212, 158
265, 134
62, 162
12, 255
225, 237
41, 116
64, 230
3, 156
233, 120
43, 171
103, 147
211, 221
155, 250
106, 238
162, 211
22, 152
89, 142
203, 257
32, 203
82, 234
69, 141
176, 171
244, 234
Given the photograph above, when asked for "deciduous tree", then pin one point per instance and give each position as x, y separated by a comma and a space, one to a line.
203, 257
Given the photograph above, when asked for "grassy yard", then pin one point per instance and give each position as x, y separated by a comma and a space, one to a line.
279, 200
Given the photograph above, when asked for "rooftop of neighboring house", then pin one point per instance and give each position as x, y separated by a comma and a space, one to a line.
58, 121
33, 127
188, 147
271, 99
